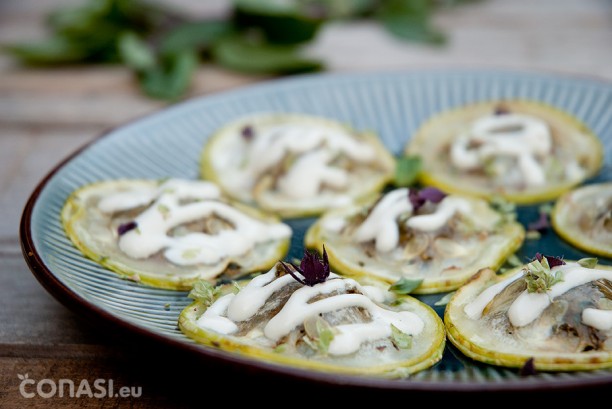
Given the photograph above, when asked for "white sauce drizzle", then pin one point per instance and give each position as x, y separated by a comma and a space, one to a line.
382, 227
316, 146
166, 212
599, 319
297, 309
516, 135
528, 306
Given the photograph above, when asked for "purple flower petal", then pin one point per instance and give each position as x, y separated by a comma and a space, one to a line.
432, 194
418, 198
314, 269
552, 261
126, 227
541, 224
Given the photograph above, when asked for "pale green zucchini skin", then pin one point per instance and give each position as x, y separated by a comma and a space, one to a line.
90, 231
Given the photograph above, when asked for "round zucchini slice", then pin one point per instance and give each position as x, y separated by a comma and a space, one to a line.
337, 325
295, 165
556, 316
401, 238
583, 217
169, 234
523, 151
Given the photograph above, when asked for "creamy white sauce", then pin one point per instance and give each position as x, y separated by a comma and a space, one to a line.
381, 225
214, 317
315, 146
298, 309
599, 319
529, 306
166, 212
522, 137
445, 210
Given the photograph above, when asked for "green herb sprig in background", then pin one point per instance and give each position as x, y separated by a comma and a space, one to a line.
163, 46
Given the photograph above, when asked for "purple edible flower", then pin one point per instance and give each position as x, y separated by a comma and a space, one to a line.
247, 132
312, 268
552, 261
418, 198
126, 227
541, 224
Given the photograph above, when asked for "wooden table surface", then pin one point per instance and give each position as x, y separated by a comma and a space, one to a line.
47, 114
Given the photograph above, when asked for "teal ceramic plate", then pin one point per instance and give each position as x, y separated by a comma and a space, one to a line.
168, 144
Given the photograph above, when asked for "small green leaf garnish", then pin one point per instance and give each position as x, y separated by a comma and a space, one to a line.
590, 262
539, 277
204, 292
280, 348
319, 334
533, 235
164, 210
506, 208
190, 254
326, 336
407, 170
444, 300
405, 285
514, 261
400, 339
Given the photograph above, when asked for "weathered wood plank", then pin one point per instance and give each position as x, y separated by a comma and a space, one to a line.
27, 155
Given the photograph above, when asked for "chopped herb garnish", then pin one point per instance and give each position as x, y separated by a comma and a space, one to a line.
444, 300
400, 339
204, 292
190, 254
313, 269
320, 334
126, 227
538, 274
533, 235
405, 285
280, 348
407, 170
506, 208
590, 262
418, 198
164, 210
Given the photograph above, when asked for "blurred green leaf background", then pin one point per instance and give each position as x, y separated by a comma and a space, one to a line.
163, 47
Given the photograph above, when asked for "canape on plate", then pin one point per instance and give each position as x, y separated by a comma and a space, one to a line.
583, 217
295, 165
170, 233
524, 151
422, 236
552, 314
308, 317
